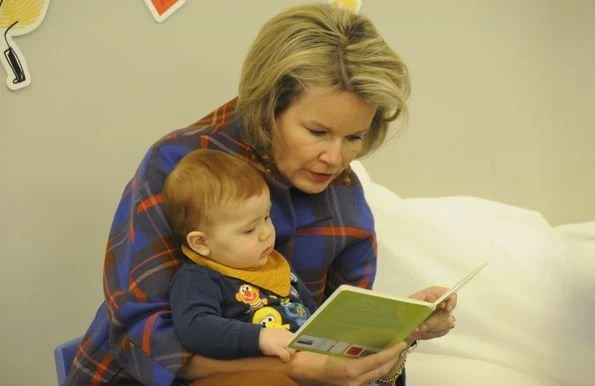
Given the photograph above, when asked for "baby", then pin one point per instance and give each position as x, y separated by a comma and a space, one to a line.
234, 296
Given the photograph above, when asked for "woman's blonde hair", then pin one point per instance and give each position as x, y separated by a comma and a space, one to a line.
203, 185
321, 45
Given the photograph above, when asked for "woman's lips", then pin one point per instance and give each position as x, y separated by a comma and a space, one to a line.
321, 177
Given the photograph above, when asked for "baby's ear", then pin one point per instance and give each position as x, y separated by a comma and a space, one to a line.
198, 243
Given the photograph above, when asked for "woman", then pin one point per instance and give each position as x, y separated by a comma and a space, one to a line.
318, 88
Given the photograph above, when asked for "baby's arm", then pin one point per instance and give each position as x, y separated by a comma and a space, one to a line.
196, 302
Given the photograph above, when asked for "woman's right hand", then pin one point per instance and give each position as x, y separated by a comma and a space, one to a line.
331, 370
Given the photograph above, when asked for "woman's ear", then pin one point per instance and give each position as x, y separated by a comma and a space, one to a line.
198, 243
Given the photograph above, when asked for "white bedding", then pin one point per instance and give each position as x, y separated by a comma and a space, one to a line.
527, 319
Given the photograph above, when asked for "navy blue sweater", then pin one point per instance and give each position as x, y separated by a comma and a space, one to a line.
220, 316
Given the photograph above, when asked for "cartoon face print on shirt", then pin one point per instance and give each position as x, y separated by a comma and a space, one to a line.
270, 318
250, 296
297, 313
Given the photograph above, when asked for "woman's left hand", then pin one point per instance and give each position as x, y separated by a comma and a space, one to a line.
441, 321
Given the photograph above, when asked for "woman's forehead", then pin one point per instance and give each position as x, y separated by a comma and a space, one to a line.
331, 108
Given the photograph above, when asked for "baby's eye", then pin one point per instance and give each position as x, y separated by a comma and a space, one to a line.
248, 231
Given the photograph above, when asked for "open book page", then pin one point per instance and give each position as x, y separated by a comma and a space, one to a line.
460, 284
355, 322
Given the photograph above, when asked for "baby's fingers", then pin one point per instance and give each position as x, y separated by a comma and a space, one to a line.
285, 354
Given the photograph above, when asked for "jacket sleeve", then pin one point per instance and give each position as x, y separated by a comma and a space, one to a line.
196, 300
141, 259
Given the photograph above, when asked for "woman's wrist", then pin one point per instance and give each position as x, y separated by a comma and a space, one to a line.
396, 372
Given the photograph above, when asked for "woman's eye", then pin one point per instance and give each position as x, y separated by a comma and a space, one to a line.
317, 133
355, 137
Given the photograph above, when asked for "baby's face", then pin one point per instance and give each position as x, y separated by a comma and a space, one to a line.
243, 236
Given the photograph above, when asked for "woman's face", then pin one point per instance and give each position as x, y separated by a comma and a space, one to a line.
318, 135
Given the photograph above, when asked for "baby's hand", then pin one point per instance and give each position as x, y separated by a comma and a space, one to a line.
273, 342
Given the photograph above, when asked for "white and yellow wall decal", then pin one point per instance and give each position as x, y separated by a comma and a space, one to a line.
18, 17
353, 5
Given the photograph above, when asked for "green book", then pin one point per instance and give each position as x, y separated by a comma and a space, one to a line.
355, 322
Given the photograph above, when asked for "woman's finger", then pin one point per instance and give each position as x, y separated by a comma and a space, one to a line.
439, 320
436, 333
431, 294
451, 302
439, 324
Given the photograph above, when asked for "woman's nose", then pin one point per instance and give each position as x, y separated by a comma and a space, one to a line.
332, 154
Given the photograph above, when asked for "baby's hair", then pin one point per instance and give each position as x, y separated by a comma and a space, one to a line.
202, 184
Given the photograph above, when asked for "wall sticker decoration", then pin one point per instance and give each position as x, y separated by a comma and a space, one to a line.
162, 9
353, 5
18, 17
